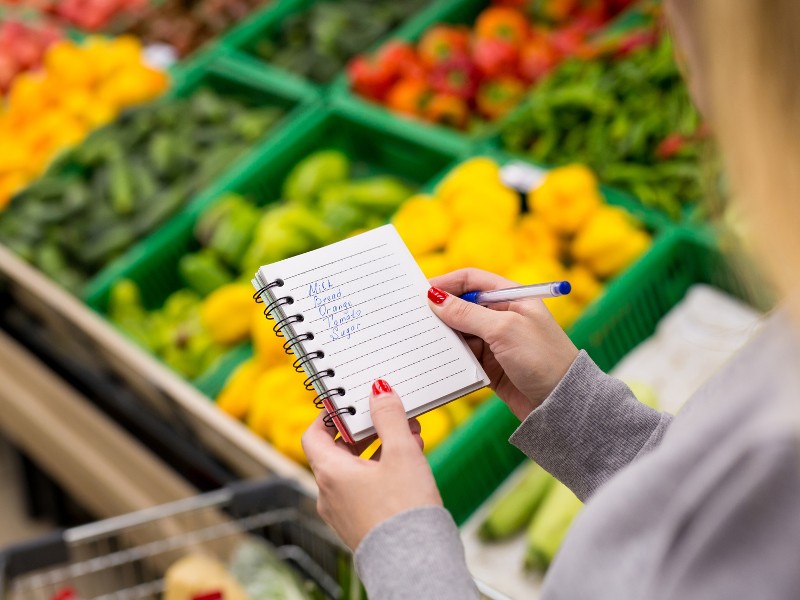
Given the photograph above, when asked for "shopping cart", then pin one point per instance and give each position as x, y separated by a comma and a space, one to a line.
125, 558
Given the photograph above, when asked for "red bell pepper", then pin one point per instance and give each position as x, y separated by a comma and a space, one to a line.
369, 78
502, 23
497, 97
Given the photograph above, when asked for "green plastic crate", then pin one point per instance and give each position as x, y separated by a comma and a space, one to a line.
153, 264
226, 76
477, 458
456, 12
267, 21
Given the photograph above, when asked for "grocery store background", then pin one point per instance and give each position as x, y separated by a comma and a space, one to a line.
153, 154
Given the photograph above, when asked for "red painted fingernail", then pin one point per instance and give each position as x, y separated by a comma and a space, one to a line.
436, 295
381, 386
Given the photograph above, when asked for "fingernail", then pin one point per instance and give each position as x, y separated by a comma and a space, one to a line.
381, 386
436, 295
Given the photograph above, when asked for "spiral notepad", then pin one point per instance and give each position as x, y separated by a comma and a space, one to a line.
357, 311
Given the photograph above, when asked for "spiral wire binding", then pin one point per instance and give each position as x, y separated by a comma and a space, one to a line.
328, 419
319, 376
319, 401
299, 363
305, 359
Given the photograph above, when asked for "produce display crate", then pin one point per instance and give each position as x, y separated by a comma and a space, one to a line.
127, 556
153, 265
455, 12
224, 75
472, 462
267, 21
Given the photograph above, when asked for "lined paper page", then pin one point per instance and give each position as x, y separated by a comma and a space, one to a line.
365, 301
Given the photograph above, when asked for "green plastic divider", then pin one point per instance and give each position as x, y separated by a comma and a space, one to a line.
224, 75
473, 461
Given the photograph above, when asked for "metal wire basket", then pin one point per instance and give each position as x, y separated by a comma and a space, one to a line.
125, 558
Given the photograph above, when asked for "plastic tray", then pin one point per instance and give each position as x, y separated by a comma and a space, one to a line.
226, 76
471, 463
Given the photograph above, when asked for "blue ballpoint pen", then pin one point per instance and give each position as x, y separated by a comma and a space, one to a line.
525, 292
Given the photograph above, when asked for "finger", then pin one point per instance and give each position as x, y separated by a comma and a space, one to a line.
318, 441
469, 280
358, 448
465, 316
389, 417
415, 428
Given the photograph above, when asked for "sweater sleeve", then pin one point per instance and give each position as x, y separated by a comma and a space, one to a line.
589, 427
416, 554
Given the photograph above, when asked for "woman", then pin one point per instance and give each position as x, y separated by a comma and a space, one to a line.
702, 505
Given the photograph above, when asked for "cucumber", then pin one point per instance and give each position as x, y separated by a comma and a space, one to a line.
514, 510
549, 526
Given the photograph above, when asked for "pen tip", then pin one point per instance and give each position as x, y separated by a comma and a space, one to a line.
564, 288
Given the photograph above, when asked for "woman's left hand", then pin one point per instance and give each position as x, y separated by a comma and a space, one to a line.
356, 494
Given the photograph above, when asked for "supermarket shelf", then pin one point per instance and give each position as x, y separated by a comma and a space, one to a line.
99, 349
77, 445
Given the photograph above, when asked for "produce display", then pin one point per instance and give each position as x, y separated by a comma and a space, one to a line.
81, 87
125, 180
461, 76
317, 43
566, 231
604, 114
22, 48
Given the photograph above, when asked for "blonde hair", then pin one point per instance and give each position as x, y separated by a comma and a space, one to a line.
752, 59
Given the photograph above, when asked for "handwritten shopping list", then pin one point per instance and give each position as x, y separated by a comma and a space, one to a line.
366, 306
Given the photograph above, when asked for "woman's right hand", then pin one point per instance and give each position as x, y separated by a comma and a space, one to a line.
523, 350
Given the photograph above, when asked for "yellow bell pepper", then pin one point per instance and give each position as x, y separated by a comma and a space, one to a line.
436, 426
565, 310
287, 433
481, 247
435, 264
268, 346
585, 286
490, 205
609, 242
478, 396
536, 270
423, 223
276, 391
535, 238
237, 396
566, 198
479, 171
227, 313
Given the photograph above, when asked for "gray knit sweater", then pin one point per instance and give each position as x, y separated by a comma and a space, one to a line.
703, 505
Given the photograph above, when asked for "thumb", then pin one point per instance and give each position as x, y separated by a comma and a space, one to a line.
465, 316
390, 419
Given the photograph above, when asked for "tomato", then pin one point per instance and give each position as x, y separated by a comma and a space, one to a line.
401, 59
409, 96
496, 97
448, 110
456, 77
441, 43
495, 57
537, 58
500, 22
369, 78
